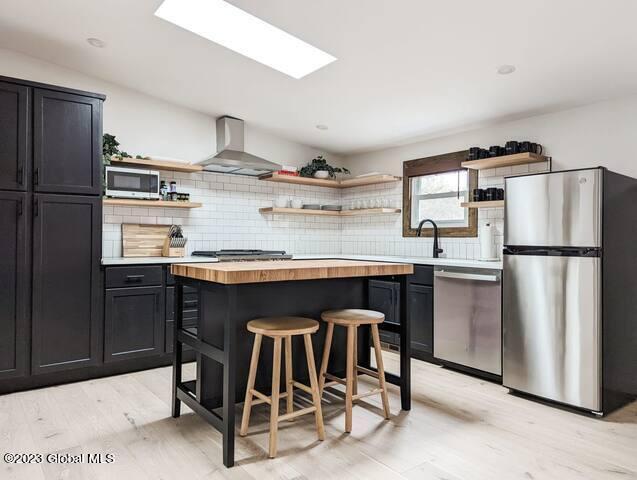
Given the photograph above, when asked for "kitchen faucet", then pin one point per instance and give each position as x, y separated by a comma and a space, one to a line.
437, 250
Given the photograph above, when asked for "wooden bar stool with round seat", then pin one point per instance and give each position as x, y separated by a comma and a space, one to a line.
279, 328
352, 319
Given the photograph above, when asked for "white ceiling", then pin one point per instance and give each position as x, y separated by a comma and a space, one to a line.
405, 68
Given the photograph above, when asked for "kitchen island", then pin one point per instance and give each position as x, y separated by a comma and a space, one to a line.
233, 293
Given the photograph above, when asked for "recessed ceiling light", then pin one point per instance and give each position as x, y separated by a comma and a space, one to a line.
506, 69
96, 42
322, 127
227, 25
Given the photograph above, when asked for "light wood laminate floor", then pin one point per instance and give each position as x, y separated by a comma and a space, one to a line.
459, 428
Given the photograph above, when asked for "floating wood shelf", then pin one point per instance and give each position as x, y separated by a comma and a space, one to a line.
504, 161
483, 204
369, 180
158, 164
319, 182
369, 211
344, 213
126, 202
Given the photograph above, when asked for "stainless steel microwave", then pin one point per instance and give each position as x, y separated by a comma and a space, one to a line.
124, 182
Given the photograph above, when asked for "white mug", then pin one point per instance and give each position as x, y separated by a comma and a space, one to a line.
281, 202
296, 203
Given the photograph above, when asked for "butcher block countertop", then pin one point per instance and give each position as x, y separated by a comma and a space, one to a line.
231, 273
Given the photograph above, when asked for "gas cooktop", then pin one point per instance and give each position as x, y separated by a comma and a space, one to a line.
243, 255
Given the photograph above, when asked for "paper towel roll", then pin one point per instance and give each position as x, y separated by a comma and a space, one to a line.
487, 242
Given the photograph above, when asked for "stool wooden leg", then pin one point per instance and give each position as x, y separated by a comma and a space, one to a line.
349, 381
355, 378
381, 369
274, 398
247, 406
289, 387
326, 357
316, 397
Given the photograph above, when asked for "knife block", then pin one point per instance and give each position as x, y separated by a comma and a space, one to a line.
168, 251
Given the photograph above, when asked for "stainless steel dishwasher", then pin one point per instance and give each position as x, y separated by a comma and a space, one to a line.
467, 318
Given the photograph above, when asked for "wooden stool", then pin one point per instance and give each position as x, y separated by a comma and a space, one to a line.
352, 319
278, 328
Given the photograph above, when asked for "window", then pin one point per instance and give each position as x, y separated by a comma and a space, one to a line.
438, 196
434, 188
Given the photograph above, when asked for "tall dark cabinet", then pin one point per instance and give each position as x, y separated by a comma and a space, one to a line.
51, 223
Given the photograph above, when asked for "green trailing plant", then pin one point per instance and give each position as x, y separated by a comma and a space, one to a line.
109, 148
320, 164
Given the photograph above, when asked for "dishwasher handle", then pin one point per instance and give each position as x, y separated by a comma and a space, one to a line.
466, 276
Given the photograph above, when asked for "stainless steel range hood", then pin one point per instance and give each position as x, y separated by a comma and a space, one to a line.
231, 156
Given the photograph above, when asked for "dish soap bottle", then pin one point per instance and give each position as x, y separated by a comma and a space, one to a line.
163, 190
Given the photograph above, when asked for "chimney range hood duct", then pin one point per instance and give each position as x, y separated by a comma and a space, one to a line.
231, 157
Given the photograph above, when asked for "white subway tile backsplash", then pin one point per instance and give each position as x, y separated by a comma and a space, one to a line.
230, 218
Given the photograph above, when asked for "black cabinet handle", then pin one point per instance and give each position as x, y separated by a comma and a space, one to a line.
36, 176
36, 207
20, 174
20, 208
134, 278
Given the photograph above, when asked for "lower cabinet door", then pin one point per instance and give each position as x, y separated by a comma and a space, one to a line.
14, 285
67, 289
421, 314
134, 323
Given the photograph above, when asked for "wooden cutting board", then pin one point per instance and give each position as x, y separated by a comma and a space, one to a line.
139, 240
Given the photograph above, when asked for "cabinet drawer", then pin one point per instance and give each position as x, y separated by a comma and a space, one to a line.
423, 274
133, 276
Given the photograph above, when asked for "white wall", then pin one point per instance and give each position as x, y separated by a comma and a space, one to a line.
599, 134
149, 126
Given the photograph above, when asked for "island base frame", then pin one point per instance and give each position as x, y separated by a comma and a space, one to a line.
221, 339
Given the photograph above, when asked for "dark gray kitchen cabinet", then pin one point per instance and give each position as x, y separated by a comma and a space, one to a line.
170, 318
15, 121
66, 302
14, 284
67, 143
134, 323
421, 314
384, 296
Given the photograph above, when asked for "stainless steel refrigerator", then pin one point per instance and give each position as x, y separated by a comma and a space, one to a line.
570, 288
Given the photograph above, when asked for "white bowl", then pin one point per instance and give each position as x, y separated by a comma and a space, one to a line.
322, 174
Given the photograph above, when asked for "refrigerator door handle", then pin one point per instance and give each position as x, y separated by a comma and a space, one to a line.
466, 276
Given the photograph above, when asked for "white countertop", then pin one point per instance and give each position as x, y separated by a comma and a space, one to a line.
450, 262
155, 260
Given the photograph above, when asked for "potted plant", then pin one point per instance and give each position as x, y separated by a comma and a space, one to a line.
319, 168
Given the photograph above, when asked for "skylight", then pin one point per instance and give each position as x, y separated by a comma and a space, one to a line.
227, 25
